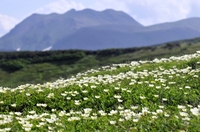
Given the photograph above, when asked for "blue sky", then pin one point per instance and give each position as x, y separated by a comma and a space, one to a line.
147, 12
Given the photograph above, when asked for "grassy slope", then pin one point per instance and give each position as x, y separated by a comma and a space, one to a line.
138, 96
42, 72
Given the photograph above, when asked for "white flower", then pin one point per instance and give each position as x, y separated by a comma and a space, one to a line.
120, 107
117, 96
105, 90
186, 119
64, 94
190, 106
154, 117
13, 105
28, 94
188, 87
161, 106
53, 110
62, 113
195, 111
68, 98
183, 114
159, 111
18, 113
102, 113
172, 82
128, 116
124, 89
87, 110
151, 85
7, 129
113, 122
145, 110
117, 88
73, 118
119, 100
42, 105
142, 97
140, 82
166, 115
93, 86
121, 120
85, 98
164, 99
112, 112
158, 87
77, 102
84, 91
97, 97
50, 120
134, 107
156, 96
93, 117
181, 107
32, 112
51, 95
27, 129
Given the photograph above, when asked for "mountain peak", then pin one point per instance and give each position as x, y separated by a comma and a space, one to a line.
111, 10
71, 11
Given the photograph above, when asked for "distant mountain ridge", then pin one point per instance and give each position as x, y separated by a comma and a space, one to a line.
93, 30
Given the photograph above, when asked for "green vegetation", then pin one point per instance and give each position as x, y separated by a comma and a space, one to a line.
19, 68
158, 95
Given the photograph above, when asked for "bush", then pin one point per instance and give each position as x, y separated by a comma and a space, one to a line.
12, 65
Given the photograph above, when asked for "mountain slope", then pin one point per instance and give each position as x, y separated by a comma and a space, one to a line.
192, 23
100, 38
38, 32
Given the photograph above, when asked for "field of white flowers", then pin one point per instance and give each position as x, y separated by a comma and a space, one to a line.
158, 95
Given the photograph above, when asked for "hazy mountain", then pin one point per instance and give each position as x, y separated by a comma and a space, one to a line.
38, 32
123, 36
92, 30
96, 38
192, 23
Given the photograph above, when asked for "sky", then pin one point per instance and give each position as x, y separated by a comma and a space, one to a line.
146, 12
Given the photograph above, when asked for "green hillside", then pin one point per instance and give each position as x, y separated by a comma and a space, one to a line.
19, 68
158, 95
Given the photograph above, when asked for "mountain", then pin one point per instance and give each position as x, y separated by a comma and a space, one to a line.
192, 23
38, 32
99, 38
92, 30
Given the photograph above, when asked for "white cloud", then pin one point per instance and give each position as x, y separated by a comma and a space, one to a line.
157, 11
6, 24
150, 12
194, 10
59, 6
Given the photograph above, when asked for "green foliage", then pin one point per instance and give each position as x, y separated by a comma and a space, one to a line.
18, 68
158, 95
12, 65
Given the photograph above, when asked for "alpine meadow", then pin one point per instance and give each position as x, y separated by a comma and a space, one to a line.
158, 95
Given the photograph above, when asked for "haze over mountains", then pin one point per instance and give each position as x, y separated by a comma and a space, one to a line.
93, 30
